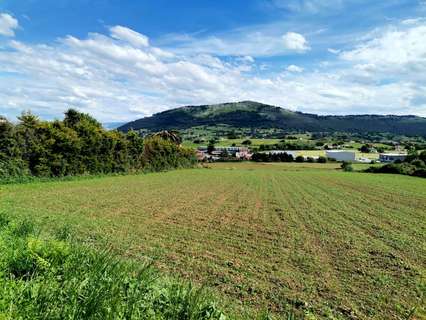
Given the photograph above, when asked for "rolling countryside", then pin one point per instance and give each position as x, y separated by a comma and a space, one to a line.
301, 239
212, 160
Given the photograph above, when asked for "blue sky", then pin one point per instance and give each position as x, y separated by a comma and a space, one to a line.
120, 60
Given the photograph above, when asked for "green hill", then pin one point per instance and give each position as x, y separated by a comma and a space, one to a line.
249, 114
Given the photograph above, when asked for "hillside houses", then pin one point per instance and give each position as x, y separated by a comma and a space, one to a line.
240, 153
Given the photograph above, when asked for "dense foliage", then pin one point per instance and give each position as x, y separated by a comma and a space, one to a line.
414, 165
80, 145
284, 157
253, 115
288, 146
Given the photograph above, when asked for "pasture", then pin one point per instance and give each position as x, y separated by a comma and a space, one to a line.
306, 238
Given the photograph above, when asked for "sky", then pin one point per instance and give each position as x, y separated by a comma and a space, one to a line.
120, 60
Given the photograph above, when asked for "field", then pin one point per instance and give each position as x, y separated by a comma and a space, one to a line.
230, 142
302, 237
321, 153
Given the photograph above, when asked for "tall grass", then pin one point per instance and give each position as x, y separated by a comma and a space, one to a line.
51, 278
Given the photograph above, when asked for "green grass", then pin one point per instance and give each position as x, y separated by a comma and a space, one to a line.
305, 238
321, 153
230, 142
50, 278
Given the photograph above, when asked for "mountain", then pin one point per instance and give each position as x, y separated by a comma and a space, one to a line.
250, 114
112, 125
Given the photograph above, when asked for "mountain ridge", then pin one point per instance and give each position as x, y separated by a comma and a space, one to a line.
252, 114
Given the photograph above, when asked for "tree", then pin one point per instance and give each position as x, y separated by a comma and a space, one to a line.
346, 166
300, 159
232, 135
80, 145
172, 136
210, 148
365, 148
319, 143
322, 159
246, 142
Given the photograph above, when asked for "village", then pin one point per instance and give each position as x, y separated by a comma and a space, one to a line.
234, 153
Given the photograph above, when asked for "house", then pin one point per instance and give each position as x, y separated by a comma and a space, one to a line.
341, 155
201, 155
243, 155
218, 152
392, 157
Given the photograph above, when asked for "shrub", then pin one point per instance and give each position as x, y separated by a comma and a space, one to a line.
322, 159
418, 163
246, 142
395, 168
79, 145
160, 155
300, 159
420, 173
346, 166
13, 169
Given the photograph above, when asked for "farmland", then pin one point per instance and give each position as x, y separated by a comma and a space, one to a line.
306, 238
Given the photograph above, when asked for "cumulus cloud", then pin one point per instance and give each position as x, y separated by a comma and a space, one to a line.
294, 68
295, 41
126, 34
119, 76
396, 46
8, 24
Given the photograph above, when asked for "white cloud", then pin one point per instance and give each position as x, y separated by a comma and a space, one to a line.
294, 68
295, 41
400, 46
307, 6
7, 25
130, 36
252, 42
333, 51
396, 53
122, 79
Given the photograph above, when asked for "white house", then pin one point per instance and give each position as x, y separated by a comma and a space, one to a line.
340, 155
392, 157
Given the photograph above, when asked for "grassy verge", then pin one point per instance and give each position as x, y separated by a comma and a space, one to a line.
54, 278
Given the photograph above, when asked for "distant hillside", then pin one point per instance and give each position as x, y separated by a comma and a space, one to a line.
249, 114
112, 125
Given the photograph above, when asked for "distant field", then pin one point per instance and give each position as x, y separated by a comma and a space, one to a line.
258, 142
229, 142
304, 237
318, 153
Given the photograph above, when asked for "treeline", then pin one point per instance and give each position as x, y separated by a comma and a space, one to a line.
413, 165
300, 145
79, 145
284, 157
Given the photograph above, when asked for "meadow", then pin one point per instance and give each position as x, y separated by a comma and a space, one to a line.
287, 237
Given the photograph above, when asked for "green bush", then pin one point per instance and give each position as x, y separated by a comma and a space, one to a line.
160, 155
346, 166
420, 173
13, 169
322, 159
79, 145
395, 168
